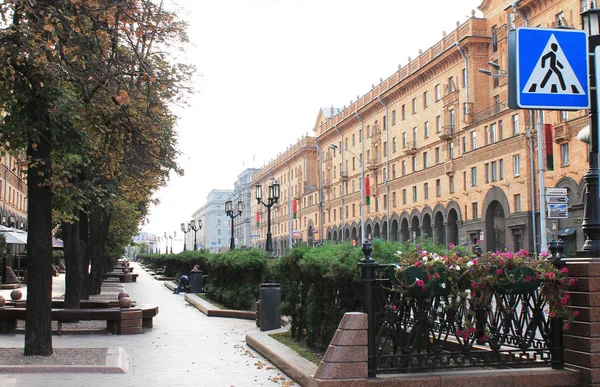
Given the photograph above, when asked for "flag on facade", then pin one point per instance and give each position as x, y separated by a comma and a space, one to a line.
294, 208
367, 191
258, 220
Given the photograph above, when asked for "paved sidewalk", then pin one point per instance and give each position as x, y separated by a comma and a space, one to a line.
185, 348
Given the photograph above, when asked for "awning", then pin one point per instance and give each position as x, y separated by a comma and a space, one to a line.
563, 232
14, 238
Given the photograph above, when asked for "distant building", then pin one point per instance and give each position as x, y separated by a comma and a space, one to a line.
243, 223
215, 232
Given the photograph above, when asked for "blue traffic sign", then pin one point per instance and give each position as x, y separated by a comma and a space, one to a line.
548, 69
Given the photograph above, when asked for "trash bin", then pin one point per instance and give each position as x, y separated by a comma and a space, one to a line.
196, 282
270, 298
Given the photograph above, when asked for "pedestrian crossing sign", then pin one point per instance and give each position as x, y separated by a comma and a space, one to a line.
548, 69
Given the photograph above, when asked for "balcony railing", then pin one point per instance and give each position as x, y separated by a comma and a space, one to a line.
410, 148
490, 112
561, 133
343, 175
373, 163
448, 132
449, 168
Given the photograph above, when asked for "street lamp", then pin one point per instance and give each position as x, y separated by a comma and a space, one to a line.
271, 200
166, 243
171, 238
184, 234
590, 226
192, 225
362, 196
232, 214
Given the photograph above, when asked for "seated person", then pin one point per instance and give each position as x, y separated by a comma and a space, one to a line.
184, 280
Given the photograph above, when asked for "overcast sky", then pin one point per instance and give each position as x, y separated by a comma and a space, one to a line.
265, 67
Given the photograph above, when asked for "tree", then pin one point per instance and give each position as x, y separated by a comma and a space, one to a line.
62, 64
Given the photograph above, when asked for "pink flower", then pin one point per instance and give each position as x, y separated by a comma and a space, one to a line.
571, 281
544, 254
564, 270
420, 283
394, 307
551, 275
474, 285
564, 300
499, 271
417, 263
576, 313
567, 326
528, 278
451, 245
429, 277
553, 314
458, 332
475, 261
437, 275
472, 330
485, 337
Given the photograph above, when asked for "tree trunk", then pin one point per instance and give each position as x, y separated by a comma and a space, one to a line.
99, 223
38, 328
84, 234
74, 274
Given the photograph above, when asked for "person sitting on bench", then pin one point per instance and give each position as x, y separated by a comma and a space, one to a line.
184, 280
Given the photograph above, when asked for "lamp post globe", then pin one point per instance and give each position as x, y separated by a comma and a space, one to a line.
272, 199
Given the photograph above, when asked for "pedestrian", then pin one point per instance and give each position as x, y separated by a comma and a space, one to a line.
184, 280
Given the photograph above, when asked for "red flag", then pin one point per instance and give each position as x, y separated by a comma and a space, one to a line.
367, 191
294, 207
549, 147
257, 219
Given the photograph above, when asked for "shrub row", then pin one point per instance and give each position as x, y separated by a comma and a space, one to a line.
319, 285
234, 277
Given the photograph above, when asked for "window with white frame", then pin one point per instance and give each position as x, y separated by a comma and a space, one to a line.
564, 154
516, 165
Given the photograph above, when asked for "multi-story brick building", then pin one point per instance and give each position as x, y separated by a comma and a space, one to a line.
443, 154
13, 189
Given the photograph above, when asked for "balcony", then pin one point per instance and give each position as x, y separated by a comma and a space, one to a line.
561, 133
373, 164
376, 137
410, 148
449, 168
448, 133
326, 183
343, 175
489, 112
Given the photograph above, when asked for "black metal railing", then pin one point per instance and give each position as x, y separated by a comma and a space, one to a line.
408, 333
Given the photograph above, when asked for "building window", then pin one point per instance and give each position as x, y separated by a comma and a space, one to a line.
450, 85
384, 148
426, 129
404, 140
424, 160
494, 168
414, 189
451, 184
393, 171
414, 164
515, 124
438, 188
474, 210
403, 112
438, 93
487, 134
437, 155
394, 204
425, 99
414, 106
426, 191
451, 119
451, 150
403, 167
360, 136
517, 202
474, 177
404, 196
564, 154
353, 138
393, 117
353, 163
487, 172
493, 134
494, 39
438, 124
464, 77
464, 144
501, 169
394, 145
516, 165
564, 115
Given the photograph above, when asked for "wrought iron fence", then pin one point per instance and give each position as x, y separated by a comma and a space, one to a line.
408, 333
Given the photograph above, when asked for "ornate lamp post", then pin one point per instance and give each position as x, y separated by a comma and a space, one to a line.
233, 214
171, 238
591, 213
192, 226
184, 234
271, 200
166, 243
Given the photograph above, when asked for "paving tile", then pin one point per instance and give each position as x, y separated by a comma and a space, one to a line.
184, 348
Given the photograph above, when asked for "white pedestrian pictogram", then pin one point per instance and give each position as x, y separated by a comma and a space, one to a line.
553, 74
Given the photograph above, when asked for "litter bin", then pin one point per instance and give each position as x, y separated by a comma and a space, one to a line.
196, 282
270, 298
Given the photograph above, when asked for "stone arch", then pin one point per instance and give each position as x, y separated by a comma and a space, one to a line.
439, 231
404, 230
426, 219
452, 227
452, 205
395, 228
377, 228
495, 210
415, 225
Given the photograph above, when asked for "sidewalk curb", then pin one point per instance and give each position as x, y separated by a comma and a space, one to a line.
287, 360
116, 363
211, 311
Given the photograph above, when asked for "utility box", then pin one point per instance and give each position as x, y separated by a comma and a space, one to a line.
270, 299
196, 282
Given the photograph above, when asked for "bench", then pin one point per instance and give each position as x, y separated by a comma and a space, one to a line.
119, 321
123, 277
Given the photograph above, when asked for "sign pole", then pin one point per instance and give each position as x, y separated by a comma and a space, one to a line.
541, 183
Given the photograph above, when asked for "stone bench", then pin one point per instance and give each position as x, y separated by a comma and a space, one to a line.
123, 277
120, 321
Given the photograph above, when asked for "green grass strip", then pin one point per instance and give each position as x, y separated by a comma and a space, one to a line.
285, 338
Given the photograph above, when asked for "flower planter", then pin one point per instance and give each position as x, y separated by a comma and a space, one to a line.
408, 278
517, 281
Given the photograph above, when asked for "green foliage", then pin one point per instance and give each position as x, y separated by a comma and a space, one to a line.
234, 277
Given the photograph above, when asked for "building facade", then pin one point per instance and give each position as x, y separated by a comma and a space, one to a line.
243, 223
13, 191
442, 154
216, 232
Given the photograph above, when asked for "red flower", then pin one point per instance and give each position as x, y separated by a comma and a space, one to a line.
576, 313
566, 326
420, 283
499, 271
528, 278
474, 285
551, 275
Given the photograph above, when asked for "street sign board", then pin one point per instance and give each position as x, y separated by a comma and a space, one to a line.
556, 191
255, 236
297, 234
548, 69
558, 211
557, 199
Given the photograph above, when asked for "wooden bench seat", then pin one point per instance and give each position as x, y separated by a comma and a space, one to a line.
123, 277
119, 321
